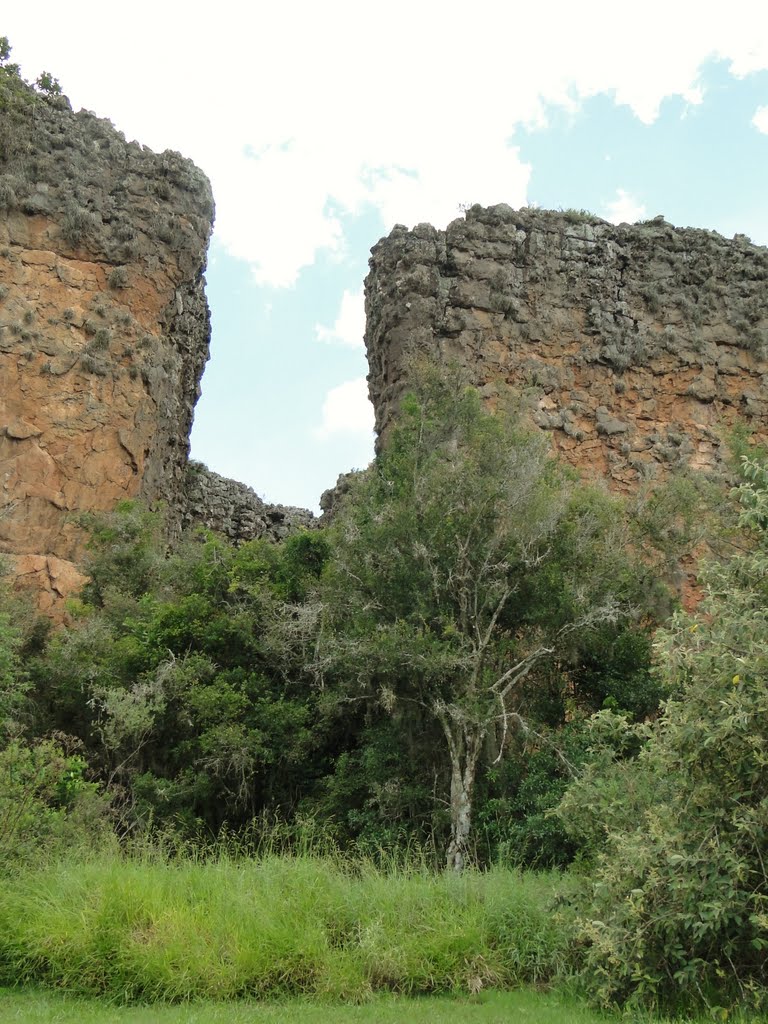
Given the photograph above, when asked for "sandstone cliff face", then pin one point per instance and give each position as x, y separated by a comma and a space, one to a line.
104, 327
638, 347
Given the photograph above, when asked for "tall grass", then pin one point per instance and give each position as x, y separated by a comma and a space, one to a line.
146, 928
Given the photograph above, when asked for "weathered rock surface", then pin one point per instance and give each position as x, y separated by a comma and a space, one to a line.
235, 510
638, 347
332, 499
104, 327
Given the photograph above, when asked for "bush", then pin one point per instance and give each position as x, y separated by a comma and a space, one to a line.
678, 911
46, 804
77, 223
118, 278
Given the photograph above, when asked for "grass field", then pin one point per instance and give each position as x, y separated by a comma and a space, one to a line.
305, 939
521, 1007
136, 930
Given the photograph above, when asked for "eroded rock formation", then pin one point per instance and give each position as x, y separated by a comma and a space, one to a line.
235, 510
104, 327
104, 332
638, 347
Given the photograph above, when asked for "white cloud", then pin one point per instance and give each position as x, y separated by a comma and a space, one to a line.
271, 213
624, 208
350, 323
346, 410
760, 120
297, 109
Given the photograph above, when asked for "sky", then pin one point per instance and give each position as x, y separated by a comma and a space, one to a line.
321, 125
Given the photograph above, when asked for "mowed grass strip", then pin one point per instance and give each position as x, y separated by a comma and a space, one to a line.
151, 930
525, 1006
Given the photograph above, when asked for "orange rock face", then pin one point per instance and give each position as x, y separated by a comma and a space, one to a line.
638, 348
103, 330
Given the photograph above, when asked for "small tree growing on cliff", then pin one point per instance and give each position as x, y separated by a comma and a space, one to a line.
453, 580
9, 69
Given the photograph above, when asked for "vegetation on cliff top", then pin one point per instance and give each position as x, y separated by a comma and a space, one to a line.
13, 86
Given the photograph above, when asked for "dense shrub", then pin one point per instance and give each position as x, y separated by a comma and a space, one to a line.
677, 911
47, 806
181, 676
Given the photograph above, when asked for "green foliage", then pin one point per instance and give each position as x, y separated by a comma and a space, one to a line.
527, 1004
47, 84
466, 564
23, 633
677, 912
610, 792
382, 786
125, 552
17, 95
614, 672
578, 216
323, 675
672, 520
15, 99
8, 69
118, 277
46, 804
76, 223
741, 445
184, 675
145, 929
13, 686
514, 813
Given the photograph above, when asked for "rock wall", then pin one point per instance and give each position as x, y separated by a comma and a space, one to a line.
638, 347
104, 326
235, 510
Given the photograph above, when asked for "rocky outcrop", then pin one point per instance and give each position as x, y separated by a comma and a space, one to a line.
235, 510
332, 499
104, 326
638, 347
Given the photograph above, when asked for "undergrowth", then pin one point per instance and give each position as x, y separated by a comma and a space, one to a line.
152, 929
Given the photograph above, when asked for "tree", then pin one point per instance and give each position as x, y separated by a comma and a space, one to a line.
451, 581
178, 674
11, 71
46, 83
676, 912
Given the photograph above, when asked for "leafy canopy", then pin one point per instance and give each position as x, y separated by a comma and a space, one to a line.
464, 561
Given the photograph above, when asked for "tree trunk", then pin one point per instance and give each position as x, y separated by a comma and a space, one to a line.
465, 741
462, 785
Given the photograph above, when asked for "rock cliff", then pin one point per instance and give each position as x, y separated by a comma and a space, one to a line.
104, 333
638, 347
104, 326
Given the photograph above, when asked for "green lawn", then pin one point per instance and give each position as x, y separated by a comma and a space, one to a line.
523, 1006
